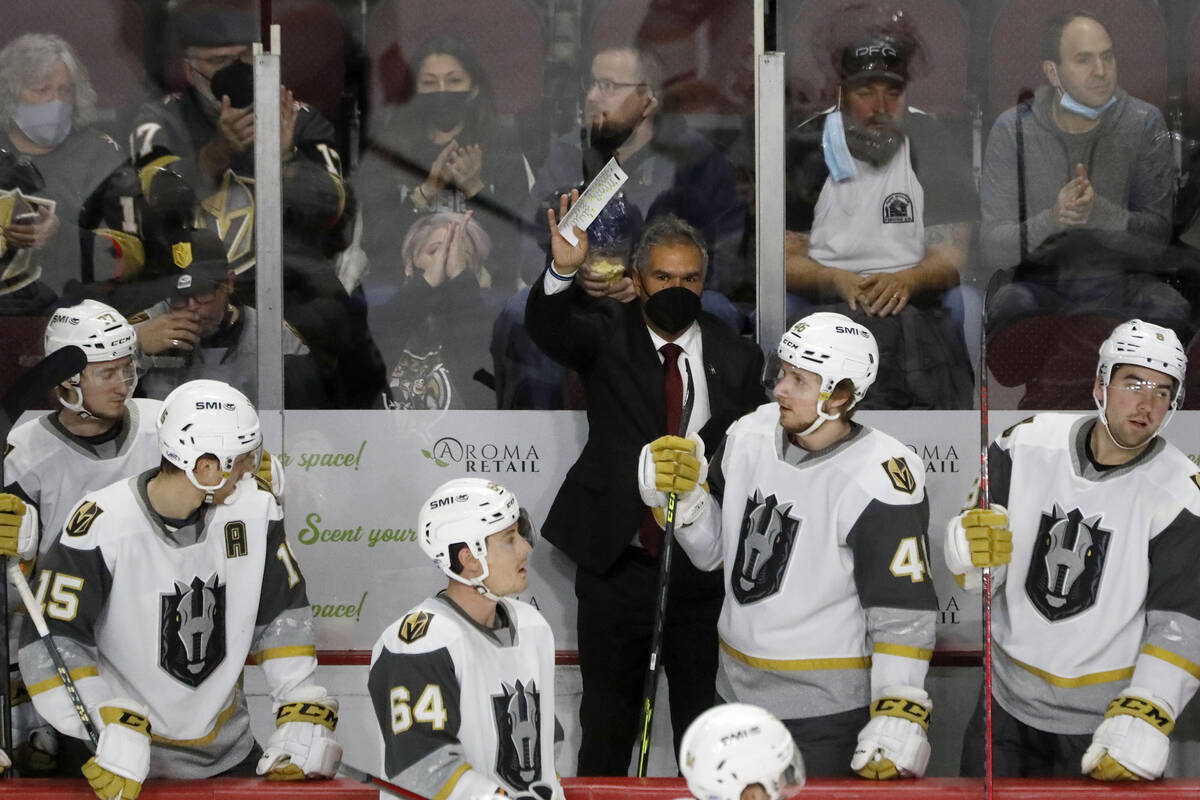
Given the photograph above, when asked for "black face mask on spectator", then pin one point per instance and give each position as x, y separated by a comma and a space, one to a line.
236, 81
444, 110
673, 309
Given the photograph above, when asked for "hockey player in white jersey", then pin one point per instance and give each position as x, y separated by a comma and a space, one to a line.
1094, 537
157, 590
820, 523
737, 751
463, 683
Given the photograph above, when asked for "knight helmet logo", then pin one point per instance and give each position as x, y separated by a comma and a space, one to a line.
192, 630
765, 545
518, 725
1068, 560
414, 626
181, 254
81, 521
900, 475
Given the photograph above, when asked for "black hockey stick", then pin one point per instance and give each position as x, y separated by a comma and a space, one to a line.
354, 773
650, 689
33, 385
985, 502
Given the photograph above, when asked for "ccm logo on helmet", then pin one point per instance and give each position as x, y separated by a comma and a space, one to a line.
876, 49
214, 405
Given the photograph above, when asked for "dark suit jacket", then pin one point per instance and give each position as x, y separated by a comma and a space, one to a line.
598, 508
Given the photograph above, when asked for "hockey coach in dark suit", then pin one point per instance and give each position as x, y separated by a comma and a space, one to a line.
623, 352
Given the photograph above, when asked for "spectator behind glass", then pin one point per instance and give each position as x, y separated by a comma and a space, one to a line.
22, 292
198, 328
1082, 154
434, 331
446, 150
47, 105
886, 211
672, 169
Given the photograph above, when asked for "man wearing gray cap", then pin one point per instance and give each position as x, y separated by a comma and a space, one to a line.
878, 217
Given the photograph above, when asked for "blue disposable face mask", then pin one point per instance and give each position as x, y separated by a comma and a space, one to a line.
46, 124
1075, 107
837, 152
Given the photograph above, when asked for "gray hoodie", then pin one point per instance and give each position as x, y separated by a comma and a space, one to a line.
1128, 160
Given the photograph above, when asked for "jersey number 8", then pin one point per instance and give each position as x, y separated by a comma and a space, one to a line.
429, 708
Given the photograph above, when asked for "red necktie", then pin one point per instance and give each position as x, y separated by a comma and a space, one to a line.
650, 535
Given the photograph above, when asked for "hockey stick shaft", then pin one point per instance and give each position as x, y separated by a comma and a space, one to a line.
34, 384
354, 773
650, 688
17, 578
985, 501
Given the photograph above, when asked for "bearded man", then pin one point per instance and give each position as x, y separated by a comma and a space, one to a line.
879, 214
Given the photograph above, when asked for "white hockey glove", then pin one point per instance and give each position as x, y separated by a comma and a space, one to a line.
270, 476
123, 755
894, 744
1132, 742
18, 527
975, 539
302, 745
674, 464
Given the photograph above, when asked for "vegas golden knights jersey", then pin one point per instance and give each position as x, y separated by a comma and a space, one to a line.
464, 709
828, 594
166, 612
1102, 579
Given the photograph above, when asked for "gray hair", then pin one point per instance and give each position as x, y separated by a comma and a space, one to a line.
476, 247
669, 229
32, 56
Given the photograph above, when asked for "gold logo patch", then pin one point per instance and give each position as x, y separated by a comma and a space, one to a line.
901, 476
414, 626
1008, 431
8, 448
181, 254
1196, 480
81, 521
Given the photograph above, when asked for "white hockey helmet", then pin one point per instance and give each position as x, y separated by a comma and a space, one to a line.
97, 329
836, 348
1143, 344
467, 511
206, 417
735, 745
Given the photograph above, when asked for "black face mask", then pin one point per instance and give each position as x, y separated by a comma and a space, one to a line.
442, 110
672, 309
236, 81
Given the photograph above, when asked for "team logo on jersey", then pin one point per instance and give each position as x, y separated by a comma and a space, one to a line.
420, 382
8, 448
1068, 560
414, 626
81, 521
900, 475
518, 721
1008, 431
1196, 480
192, 630
764, 548
897, 207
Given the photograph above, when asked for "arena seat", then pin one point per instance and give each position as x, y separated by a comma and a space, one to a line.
109, 39
507, 36
1052, 355
815, 27
1139, 35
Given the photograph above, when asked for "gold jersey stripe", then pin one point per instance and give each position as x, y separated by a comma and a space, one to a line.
1189, 667
294, 651
1083, 680
77, 675
449, 785
796, 664
903, 650
207, 738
